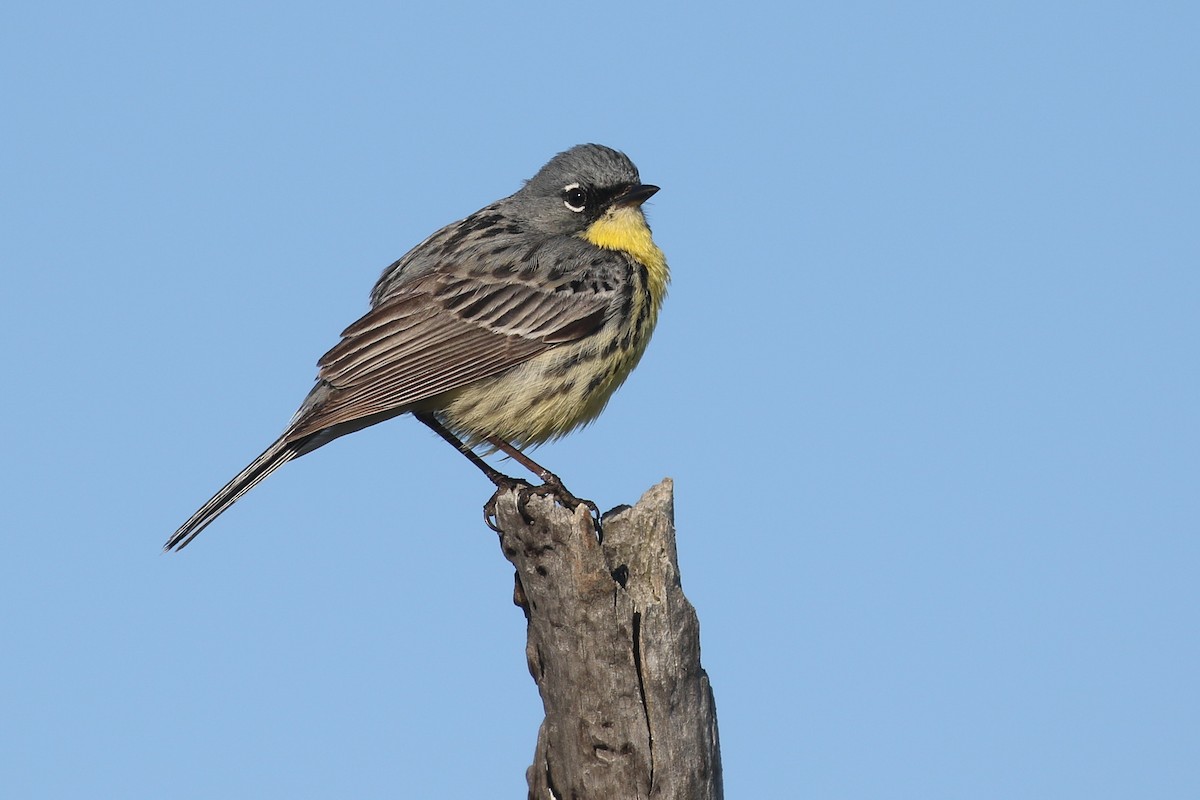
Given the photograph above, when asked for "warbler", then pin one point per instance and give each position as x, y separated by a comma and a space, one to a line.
504, 330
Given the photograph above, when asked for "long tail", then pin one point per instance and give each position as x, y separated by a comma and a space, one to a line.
274, 457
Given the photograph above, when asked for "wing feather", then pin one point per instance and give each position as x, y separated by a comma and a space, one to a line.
439, 333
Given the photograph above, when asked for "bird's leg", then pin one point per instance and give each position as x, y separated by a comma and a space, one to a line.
501, 481
495, 476
551, 483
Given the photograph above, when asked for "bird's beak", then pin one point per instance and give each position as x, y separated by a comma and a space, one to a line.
635, 195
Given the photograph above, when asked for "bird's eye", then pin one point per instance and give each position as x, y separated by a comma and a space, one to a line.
574, 197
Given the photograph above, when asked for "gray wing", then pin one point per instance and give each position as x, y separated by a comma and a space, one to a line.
443, 330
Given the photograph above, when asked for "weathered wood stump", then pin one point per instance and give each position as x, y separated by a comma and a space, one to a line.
614, 647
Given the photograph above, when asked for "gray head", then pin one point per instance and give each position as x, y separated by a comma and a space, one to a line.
577, 187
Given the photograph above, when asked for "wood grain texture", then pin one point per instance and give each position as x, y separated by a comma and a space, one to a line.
614, 647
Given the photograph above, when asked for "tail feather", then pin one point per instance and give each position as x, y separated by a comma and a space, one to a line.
274, 457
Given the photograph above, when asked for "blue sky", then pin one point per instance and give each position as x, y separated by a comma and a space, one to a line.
926, 381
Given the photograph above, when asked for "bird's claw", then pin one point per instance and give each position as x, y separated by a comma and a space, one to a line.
552, 486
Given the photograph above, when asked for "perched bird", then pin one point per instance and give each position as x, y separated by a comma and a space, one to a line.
503, 330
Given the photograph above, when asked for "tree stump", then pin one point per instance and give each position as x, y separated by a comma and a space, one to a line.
614, 647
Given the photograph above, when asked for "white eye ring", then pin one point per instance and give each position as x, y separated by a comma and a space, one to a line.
574, 197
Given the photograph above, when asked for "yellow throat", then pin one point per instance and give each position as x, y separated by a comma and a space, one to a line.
625, 229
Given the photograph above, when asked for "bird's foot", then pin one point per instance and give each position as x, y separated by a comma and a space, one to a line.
506, 484
552, 486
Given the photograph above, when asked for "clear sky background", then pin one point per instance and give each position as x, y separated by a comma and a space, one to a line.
926, 381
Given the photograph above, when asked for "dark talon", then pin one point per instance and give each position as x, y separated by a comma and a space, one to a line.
489, 512
554, 486
595, 509
507, 484
524, 490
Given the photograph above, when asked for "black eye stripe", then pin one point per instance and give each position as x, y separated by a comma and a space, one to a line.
605, 196
578, 197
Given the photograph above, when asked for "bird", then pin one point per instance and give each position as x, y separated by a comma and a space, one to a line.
502, 331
